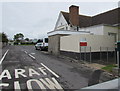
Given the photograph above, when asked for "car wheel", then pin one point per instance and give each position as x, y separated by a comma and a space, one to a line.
40, 49
36, 48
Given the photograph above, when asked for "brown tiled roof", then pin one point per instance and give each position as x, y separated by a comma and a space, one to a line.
66, 16
110, 17
85, 21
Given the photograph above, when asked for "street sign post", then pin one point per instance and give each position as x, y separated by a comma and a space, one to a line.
83, 44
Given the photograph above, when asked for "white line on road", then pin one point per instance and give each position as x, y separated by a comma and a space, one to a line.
3, 57
50, 70
31, 56
4, 84
32, 53
25, 52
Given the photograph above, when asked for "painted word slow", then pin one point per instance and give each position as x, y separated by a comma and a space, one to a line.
35, 80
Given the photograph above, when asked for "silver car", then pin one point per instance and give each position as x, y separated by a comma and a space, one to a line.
38, 46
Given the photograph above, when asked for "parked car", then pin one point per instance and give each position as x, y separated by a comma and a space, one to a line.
42, 44
37, 46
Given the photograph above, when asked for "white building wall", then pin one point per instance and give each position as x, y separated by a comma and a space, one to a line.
71, 43
61, 23
96, 30
102, 30
111, 31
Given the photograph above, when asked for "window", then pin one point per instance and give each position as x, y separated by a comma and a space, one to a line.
46, 40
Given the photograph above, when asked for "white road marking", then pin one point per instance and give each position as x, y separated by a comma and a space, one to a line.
3, 57
30, 87
19, 72
25, 52
31, 56
4, 84
5, 74
33, 53
17, 86
50, 70
51, 83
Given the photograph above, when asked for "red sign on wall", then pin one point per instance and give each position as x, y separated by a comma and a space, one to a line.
83, 43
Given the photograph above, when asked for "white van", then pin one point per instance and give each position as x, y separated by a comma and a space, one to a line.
42, 44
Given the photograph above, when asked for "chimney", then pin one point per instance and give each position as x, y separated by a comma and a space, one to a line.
74, 15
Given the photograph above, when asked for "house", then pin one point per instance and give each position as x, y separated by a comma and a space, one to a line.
69, 24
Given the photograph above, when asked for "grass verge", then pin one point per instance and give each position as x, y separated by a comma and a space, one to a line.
109, 67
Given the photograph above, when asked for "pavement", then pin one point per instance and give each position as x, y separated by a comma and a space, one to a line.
25, 68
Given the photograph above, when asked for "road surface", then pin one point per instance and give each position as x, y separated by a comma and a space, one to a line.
25, 68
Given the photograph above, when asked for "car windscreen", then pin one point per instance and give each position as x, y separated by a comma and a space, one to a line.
39, 44
46, 40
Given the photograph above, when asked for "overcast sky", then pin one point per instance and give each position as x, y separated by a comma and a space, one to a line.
35, 19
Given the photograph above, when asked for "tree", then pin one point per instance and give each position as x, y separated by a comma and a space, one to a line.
4, 38
18, 37
39, 40
27, 39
